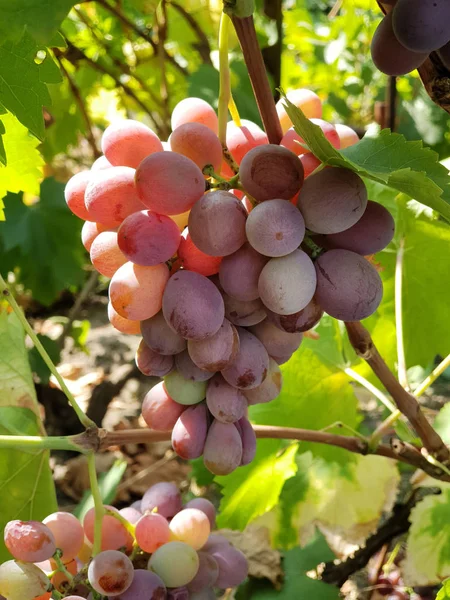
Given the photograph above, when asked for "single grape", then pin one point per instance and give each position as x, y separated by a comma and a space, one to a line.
216, 352
163, 496
215, 540
74, 194
226, 403
192, 305
373, 232
145, 586
306, 100
204, 505
217, 223
100, 163
131, 514
233, 566
239, 273
287, 284
303, 320
276, 341
223, 448
244, 312
421, 25
193, 259
269, 388
188, 369
191, 526
29, 541
160, 337
159, 411
207, 574
90, 231
281, 360
347, 136
22, 580
110, 573
275, 228
348, 286
249, 368
176, 563
184, 391
147, 238
242, 139
197, 142
248, 438
136, 292
296, 144
332, 200
169, 183
310, 163
68, 533
106, 256
189, 432
151, 363
114, 534
271, 171
128, 142
152, 531
194, 110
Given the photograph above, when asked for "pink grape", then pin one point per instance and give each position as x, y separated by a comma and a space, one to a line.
248, 438
100, 163
310, 163
241, 140
194, 110
128, 142
147, 238
226, 403
165, 497
249, 368
160, 337
169, 183
176, 563
90, 231
243, 312
74, 193
29, 541
303, 320
68, 533
106, 256
233, 566
347, 136
216, 352
136, 292
306, 100
276, 341
275, 228
121, 324
217, 223
110, 573
192, 305
188, 369
288, 283
191, 526
145, 586
207, 574
114, 534
152, 531
239, 273
295, 143
223, 448
193, 259
197, 142
111, 196
269, 389
151, 363
159, 411
204, 505
189, 432
131, 514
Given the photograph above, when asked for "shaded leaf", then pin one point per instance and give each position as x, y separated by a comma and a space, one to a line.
37, 363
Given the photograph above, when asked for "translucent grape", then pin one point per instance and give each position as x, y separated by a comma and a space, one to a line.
197, 142
159, 411
68, 533
90, 231
271, 171
145, 586
136, 292
188, 369
243, 313
295, 143
373, 232
29, 541
163, 496
347, 136
239, 273
276, 341
249, 368
275, 228
208, 571
131, 514
114, 534
348, 286
22, 581
421, 25
152, 531
204, 505
217, 224
241, 140
106, 256
269, 389
233, 566
160, 337
191, 526
248, 438
74, 194
306, 100
194, 259
152, 363
111, 196
303, 320
169, 183
147, 238
288, 283
226, 403
110, 573
189, 432
176, 563
216, 352
223, 448
332, 200
184, 391
310, 163
194, 110
192, 305
121, 324
100, 163
128, 142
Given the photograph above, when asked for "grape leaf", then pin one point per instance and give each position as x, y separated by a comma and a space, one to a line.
444, 592
388, 158
23, 89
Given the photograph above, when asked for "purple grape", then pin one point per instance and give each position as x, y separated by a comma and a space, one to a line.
249, 368
165, 497
151, 363
233, 566
248, 438
207, 574
189, 432
180, 593
160, 337
146, 586
226, 403
301, 321
244, 312
239, 273
421, 25
223, 448
276, 341
216, 352
185, 365
270, 387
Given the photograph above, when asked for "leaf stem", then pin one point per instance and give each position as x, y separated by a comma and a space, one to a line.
224, 85
29, 442
401, 361
98, 504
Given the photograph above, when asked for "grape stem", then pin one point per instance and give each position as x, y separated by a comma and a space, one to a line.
98, 504
128, 526
224, 85
60, 565
29, 442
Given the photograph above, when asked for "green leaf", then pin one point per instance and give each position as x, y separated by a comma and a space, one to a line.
442, 423
37, 364
388, 158
79, 332
17, 66
444, 592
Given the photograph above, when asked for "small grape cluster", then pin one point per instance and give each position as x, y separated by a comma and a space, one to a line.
409, 33
391, 586
155, 549
222, 265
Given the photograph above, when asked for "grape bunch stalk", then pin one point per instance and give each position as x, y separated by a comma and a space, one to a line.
155, 549
222, 265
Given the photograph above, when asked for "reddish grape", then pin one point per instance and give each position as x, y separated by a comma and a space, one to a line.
303, 320
276, 341
248, 438
216, 352
347, 136
127, 143
163, 496
188, 369
151, 363
306, 100
29, 541
193, 259
90, 231
269, 388
114, 534
239, 273
74, 193
244, 313
223, 448
191, 526
189, 432
106, 256
152, 531
159, 411
249, 368
110, 573
160, 337
100, 163
197, 142
226, 403
194, 110
68, 533
121, 324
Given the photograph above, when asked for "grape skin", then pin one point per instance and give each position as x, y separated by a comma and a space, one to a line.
193, 259
146, 586
165, 497
239, 273
248, 438
74, 194
184, 391
152, 531
114, 534
191, 526
207, 574
276, 341
244, 313
128, 142
110, 573
159, 411
68, 533
249, 368
194, 110
233, 566
421, 25
22, 580
151, 363
189, 432
241, 140
204, 505
223, 448
29, 541
160, 337
216, 352
176, 563
269, 388
106, 256
306, 100
189, 370
347, 136
90, 231
301, 321
226, 403
197, 142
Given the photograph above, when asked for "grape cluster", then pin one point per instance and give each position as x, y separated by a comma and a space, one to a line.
155, 549
409, 32
222, 272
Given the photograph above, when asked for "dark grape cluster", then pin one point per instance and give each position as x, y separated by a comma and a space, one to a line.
155, 549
